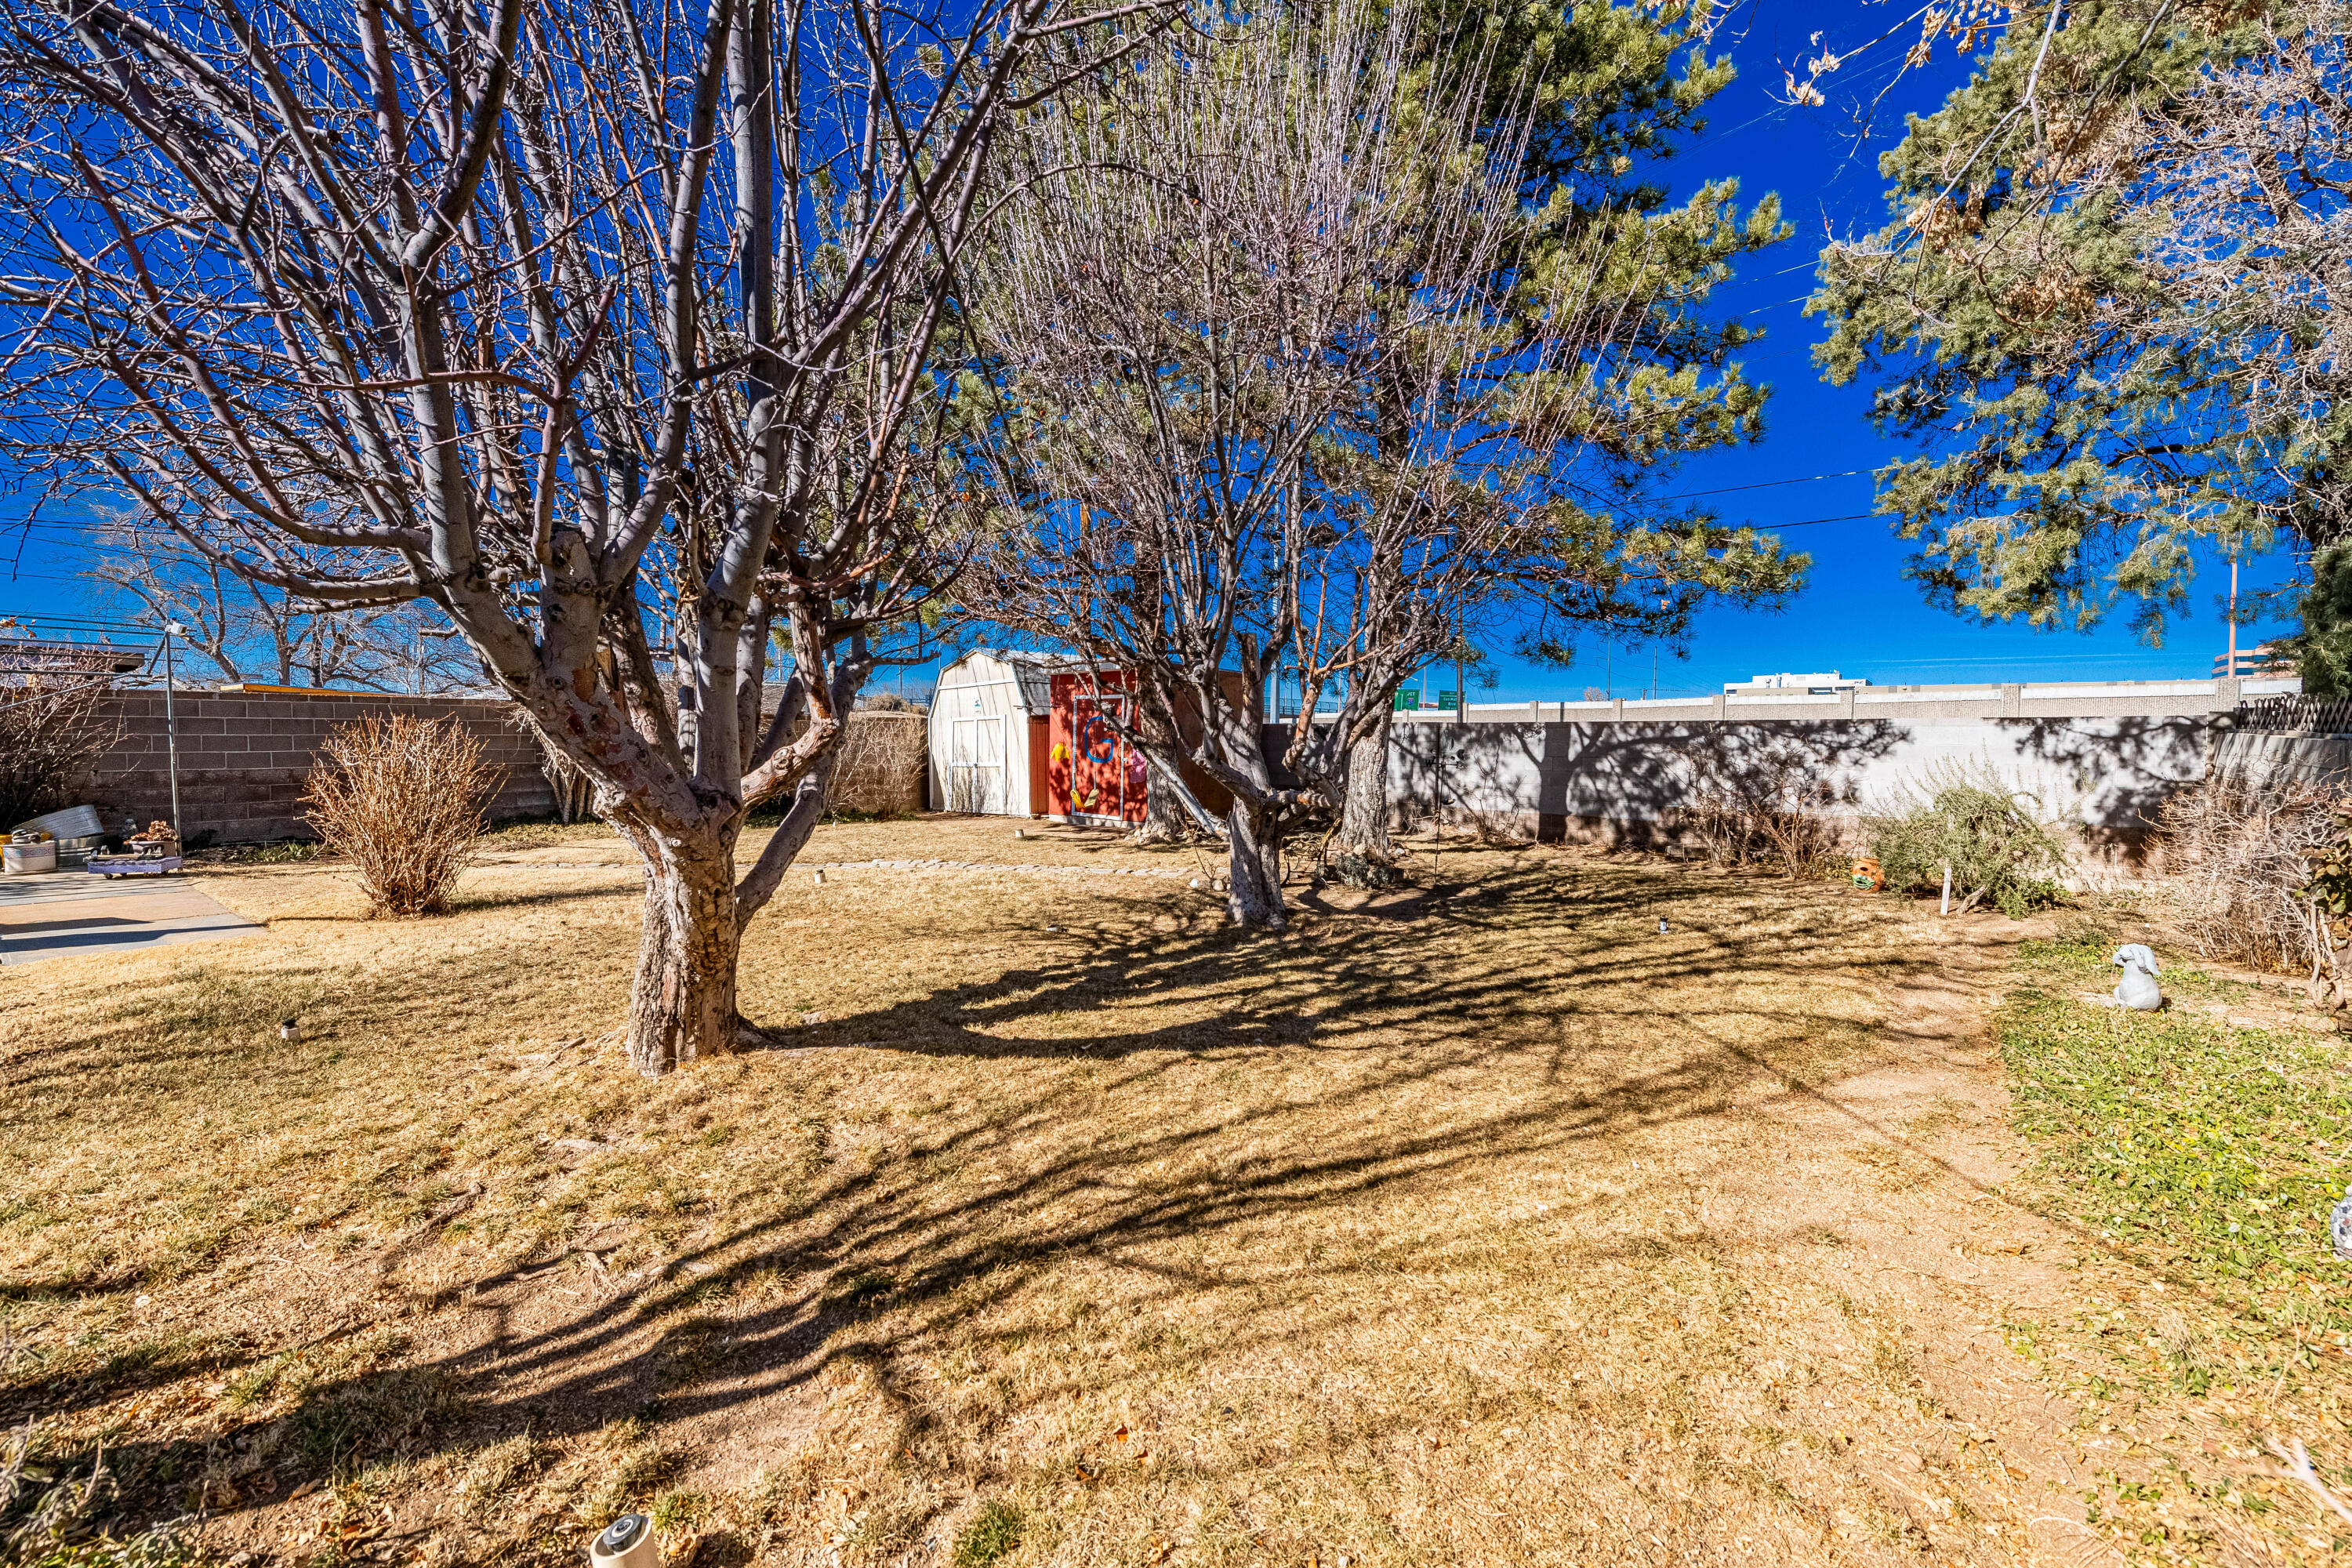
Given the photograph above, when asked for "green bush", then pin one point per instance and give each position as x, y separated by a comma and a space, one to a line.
2001, 843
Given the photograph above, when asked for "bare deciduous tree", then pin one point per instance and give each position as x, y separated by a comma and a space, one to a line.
1282, 367
52, 732
247, 631
1189, 301
2235, 194
605, 326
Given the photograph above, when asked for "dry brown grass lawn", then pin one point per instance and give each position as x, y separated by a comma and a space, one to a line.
1478, 1223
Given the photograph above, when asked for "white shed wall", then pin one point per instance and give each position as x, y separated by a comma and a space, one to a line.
980, 739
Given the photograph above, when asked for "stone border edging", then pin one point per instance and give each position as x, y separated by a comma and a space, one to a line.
886, 864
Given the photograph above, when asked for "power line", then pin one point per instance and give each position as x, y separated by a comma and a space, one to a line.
93, 623
8, 576
1807, 523
1769, 484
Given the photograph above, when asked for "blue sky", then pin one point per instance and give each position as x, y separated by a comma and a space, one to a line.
1858, 613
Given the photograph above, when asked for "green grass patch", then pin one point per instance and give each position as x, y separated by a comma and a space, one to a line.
2215, 1151
861, 1288
155, 1550
994, 1535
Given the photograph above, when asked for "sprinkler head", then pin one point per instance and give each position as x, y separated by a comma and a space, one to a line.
626, 1542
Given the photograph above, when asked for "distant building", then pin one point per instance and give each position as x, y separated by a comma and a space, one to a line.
1817, 684
2260, 660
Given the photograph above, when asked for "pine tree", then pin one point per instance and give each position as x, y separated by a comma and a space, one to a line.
2102, 309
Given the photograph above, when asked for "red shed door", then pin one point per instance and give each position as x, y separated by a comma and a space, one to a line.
1090, 774
1105, 773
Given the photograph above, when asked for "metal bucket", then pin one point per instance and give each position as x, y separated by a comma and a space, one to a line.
73, 854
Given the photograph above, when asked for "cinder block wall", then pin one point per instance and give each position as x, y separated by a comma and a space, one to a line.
1633, 782
243, 758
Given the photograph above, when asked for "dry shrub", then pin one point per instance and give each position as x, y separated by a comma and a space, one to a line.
1739, 829
967, 792
880, 768
2241, 850
1766, 805
50, 737
400, 798
1491, 829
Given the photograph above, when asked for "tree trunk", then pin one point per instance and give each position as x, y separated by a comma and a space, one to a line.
1253, 869
1165, 820
566, 785
682, 1007
1364, 816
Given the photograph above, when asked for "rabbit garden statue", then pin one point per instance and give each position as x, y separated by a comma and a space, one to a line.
2137, 989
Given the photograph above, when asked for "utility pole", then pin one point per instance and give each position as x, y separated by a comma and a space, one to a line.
171, 722
1461, 705
2229, 671
1436, 773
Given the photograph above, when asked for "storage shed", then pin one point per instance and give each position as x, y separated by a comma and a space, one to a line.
988, 731
1094, 778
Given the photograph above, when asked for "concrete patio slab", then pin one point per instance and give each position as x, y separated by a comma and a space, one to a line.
64, 913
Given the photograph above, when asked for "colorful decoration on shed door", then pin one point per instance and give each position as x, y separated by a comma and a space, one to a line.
1090, 771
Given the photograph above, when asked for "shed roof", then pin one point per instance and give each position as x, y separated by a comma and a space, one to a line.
1033, 672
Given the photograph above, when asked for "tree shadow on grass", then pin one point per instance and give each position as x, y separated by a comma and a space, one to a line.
1547, 973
